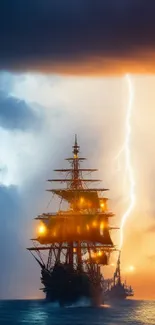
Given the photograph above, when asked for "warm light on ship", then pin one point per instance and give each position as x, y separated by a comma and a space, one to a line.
72, 237
42, 229
81, 200
101, 205
93, 255
101, 228
94, 224
78, 229
54, 233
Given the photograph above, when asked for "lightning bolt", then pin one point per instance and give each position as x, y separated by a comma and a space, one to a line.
126, 149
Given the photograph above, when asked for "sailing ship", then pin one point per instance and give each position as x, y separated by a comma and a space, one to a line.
76, 237
115, 288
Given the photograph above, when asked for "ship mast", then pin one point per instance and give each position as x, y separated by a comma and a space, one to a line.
117, 274
75, 184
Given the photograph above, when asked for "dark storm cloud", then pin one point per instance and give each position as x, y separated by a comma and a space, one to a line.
16, 113
36, 33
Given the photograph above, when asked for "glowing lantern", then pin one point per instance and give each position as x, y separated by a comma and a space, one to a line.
42, 229
81, 200
102, 205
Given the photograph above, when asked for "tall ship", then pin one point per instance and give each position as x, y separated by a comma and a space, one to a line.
115, 288
76, 238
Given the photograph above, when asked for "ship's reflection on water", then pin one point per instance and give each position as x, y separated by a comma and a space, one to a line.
41, 313
105, 306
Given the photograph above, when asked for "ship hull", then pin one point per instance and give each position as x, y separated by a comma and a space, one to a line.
67, 286
117, 292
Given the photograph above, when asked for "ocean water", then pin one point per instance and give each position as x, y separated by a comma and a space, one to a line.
38, 312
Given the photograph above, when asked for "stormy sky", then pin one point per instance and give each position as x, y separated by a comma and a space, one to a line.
78, 36
48, 111
41, 109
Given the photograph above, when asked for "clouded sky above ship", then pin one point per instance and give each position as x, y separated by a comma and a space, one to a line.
78, 36
60, 106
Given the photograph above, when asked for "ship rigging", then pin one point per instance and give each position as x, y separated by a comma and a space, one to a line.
77, 237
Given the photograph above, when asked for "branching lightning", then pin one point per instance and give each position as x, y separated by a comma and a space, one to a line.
127, 152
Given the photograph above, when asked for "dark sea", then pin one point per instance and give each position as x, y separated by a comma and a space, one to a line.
38, 312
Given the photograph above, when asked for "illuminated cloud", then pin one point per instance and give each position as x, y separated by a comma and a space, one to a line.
78, 37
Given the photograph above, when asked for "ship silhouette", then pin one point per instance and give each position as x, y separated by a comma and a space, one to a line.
115, 288
76, 238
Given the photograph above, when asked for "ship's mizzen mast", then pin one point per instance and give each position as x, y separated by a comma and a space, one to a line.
80, 235
117, 274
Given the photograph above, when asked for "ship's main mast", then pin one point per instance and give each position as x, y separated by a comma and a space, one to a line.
75, 184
